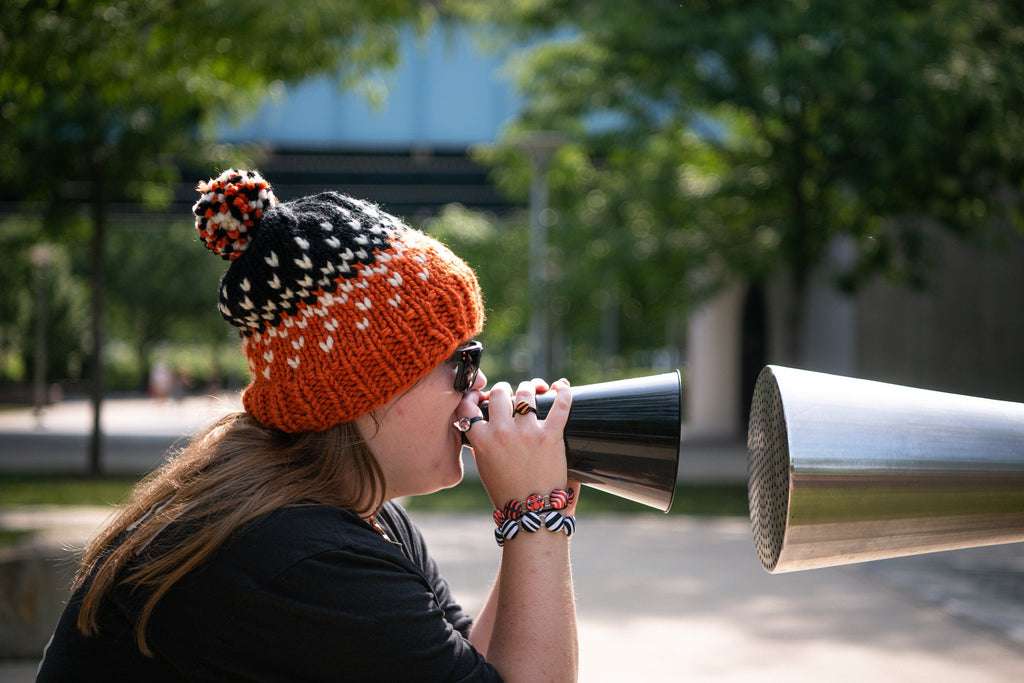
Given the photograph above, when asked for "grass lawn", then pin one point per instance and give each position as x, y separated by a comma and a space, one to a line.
690, 499
42, 489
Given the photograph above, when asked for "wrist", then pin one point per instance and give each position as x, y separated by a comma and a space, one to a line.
552, 511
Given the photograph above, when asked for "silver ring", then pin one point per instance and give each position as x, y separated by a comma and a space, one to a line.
464, 424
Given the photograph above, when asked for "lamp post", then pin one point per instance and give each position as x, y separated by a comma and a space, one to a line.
40, 255
539, 146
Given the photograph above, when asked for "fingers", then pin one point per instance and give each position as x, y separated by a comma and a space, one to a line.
517, 452
526, 401
468, 413
499, 408
558, 413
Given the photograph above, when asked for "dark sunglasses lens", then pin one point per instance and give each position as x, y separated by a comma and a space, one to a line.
469, 365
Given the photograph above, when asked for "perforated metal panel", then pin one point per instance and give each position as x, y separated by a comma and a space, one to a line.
768, 469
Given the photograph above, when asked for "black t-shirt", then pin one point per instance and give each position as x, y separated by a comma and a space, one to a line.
307, 593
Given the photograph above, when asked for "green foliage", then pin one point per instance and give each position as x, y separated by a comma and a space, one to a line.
102, 92
732, 137
65, 303
204, 368
496, 249
577, 295
48, 489
100, 102
162, 288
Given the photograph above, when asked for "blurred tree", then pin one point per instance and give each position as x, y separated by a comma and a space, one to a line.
616, 288
66, 310
164, 299
496, 248
737, 137
98, 98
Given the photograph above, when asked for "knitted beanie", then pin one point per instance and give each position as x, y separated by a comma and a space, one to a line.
340, 305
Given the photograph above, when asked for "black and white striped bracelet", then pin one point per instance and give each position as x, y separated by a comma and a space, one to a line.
532, 521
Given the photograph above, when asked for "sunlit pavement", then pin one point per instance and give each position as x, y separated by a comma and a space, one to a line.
668, 598
137, 432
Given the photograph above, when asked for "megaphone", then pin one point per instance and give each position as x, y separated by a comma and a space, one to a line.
846, 470
623, 437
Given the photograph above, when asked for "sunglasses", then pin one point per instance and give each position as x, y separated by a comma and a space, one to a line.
468, 358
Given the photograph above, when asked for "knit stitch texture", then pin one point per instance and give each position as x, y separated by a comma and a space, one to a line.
340, 305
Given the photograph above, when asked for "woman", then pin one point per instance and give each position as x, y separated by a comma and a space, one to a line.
272, 548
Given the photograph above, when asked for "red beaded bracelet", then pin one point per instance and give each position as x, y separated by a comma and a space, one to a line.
559, 499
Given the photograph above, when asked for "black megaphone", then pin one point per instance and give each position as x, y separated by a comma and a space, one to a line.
623, 437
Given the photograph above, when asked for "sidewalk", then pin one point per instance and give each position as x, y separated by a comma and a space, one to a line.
137, 432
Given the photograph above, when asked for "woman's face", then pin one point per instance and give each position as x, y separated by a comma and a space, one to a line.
416, 445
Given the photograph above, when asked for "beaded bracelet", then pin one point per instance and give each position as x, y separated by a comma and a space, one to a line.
558, 499
532, 521
526, 515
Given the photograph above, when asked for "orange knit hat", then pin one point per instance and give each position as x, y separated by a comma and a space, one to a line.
340, 305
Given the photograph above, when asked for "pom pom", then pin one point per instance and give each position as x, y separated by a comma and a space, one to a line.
229, 210
535, 502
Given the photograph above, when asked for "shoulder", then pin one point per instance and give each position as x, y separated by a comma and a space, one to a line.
271, 544
307, 592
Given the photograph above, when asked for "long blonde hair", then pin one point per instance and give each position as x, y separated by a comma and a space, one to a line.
233, 473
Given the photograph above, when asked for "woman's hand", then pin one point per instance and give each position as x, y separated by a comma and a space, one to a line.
518, 455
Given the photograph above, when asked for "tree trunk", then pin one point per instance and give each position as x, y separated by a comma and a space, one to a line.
99, 226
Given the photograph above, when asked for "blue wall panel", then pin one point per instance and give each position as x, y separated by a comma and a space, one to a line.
446, 92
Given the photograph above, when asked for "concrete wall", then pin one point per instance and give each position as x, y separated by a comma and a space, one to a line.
963, 335
712, 386
34, 582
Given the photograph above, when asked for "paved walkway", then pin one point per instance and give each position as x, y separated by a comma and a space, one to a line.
667, 598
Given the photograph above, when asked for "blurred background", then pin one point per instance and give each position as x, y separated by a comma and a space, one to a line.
641, 187
704, 186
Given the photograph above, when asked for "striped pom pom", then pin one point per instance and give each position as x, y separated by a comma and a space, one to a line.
531, 522
571, 496
499, 537
229, 209
499, 518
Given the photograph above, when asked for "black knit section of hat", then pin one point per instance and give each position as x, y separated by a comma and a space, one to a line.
302, 247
